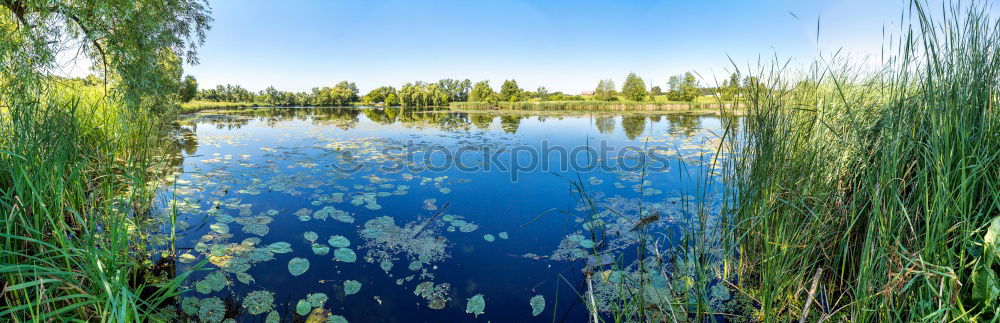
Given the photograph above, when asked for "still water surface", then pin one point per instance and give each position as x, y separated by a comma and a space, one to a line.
424, 210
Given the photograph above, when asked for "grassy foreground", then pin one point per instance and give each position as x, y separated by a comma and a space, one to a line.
75, 173
875, 196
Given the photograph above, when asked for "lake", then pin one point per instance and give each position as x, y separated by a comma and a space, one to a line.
405, 215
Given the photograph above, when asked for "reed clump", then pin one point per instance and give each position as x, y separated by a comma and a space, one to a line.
875, 195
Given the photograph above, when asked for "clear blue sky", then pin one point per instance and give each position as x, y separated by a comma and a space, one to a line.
563, 45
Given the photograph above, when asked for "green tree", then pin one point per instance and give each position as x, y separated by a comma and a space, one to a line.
189, 89
634, 88
379, 95
391, 100
510, 92
655, 91
481, 92
606, 90
542, 93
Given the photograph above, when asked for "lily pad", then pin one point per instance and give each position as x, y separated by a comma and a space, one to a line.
259, 302
503, 235
316, 299
339, 242
537, 303
280, 247
476, 305
311, 236
345, 255
298, 266
320, 249
220, 228
351, 287
212, 309
586, 243
303, 307
489, 237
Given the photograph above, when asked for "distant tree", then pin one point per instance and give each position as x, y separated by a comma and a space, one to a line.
481, 92
379, 95
189, 88
655, 91
510, 92
634, 88
683, 88
689, 87
541, 92
606, 90
391, 100
730, 88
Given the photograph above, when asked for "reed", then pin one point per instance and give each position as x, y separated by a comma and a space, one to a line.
876, 187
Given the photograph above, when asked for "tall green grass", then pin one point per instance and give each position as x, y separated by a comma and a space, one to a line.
868, 195
75, 193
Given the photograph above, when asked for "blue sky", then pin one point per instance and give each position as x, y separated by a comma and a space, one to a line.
564, 45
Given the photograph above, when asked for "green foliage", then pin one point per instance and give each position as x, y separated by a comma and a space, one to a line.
634, 88
380, 95
683, 88
656, 91
606, 91
883, 185
421, 94
482, 92
189, 89
510, 92
77, 160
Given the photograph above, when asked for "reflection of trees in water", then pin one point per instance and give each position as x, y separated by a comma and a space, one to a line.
730, 121
343, 118
605, 124
633, 125
509, 123
380, 116
684, 124
482, 120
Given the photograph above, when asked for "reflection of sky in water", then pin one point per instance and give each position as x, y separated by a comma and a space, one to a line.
282, 163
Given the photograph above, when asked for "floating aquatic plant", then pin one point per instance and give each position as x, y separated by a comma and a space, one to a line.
320, 249
316, 299
537, 303
303, 307
345, 255
417, 240
503, 235
298, 266
273, 317
280, 247
475, 305
212, 309
311, 236
259, 302
339, 241
190, 305
351, 287
220, 228
489, 237
213, 282
436, 296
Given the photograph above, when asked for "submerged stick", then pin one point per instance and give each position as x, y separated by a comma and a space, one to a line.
590, 292
441, 210
812, 292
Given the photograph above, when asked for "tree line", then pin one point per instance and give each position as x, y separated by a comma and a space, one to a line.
681, 87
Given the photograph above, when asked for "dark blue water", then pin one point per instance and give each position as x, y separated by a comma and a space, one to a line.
268, 167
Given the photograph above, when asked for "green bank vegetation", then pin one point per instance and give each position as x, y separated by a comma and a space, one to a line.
79, 158
858, 194
684, 92
875, 196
